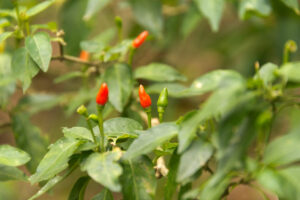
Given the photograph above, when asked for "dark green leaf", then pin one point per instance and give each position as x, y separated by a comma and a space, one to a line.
138, 179
12, 156
119, 79
294, 4
148, 14
11, 173
150, 139
259, 7
105, 194
40, 49
193, 159
24, 67
171, 184
103, 168
158, 72
78, 190
93, 7
29, 138
56, 159
39, 8
213, 10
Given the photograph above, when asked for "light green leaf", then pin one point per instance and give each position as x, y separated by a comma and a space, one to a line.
267, 73
288, 151
150, 139
260, 7
213, 10
39, 8
138, 179
93, 7
3, 23
12, 156
193, 159
68, 76
4, 36
293, 4
116, 127
148, 14
24, 67
78, 133
173, 88
158, 72
29, 138
78, 190
103, 168
291, 71
119, 80
11, 173
105, 194
190, 20
56, 159
40, 49
7, 79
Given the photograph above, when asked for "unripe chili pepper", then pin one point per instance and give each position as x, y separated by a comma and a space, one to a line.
82, 110
84, 55
102, 95
162, 103
93, 117
138, 41
145, 99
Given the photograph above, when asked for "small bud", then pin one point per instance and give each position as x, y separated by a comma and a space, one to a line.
93, 117
102, 95
82, 110
118, 22
256, 66
145, 99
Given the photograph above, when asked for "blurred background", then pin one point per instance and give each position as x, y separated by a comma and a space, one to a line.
185, 41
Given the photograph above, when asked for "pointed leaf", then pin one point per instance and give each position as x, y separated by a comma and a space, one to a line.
105, 194
39, 8
12, 156
260, 7
293, 4
78, 190
78, 133
11, 173
93, 7
56, 159
40, 49
120, 83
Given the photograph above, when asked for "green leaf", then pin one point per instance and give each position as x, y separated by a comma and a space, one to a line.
51, 26
119, 80
287, 153
267, 73
40, 49
150, 139
193, 159
7, 80
148, 14
56, 159
105, 194
120, 126
78, 133
93, 7
68, 76
284, 183
171, 184
39, 8
213, 10
158, 72
11, 173
4, 36
259, 7
29, 138
75, 28
291, 71
173, 88
23, 67
12, 156
103, 168
78, 190
293, 4
138, 179
190, 20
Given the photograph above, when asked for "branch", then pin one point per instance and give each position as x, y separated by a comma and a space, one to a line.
5, 125
75, 60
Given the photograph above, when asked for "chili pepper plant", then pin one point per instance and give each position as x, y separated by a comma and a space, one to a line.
123, 141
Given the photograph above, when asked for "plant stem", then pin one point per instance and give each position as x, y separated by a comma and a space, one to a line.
148, 111
131, 54
92, 132
75, 60
100, 124
160, 117
286, 55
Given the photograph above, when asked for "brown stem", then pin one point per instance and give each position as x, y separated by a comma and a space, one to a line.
5, 125
75, 60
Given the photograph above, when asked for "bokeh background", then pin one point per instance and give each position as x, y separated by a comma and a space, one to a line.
187, 43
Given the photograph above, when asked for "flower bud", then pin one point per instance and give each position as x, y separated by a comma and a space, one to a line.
93, 117
82, 110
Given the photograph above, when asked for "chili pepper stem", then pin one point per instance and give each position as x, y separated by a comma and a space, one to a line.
148, 111
131, 54
93, 134
100, 124
160, 116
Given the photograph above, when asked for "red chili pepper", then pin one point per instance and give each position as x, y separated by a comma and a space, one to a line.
84, 55
145, 99
102, 95
138, 41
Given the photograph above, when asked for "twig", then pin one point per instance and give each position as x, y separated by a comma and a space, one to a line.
5, 125
75, 60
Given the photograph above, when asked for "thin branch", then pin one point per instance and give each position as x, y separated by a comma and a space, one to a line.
5, 125
75, 60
